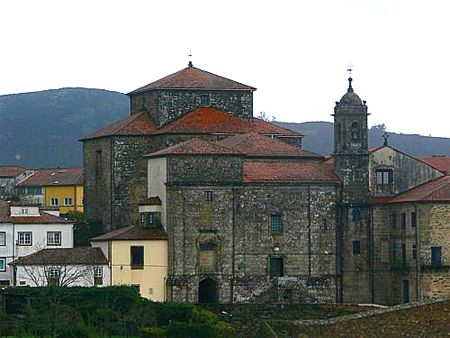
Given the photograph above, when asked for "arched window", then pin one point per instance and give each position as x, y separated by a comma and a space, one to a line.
355, 131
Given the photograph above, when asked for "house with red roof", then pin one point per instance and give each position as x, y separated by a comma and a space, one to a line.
24, 230
9, 177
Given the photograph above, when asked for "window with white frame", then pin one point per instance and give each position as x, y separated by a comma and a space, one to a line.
98, 275
2, 264
53, 237
54, 201
53, 274
25, 238
2, 238
68, 201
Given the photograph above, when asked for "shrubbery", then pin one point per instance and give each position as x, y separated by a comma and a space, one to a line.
117, 310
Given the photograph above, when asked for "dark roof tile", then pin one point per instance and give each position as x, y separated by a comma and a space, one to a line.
133, 232
54, 177
64, 256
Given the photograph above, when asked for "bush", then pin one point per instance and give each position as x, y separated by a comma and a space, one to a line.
154, 332
174, 312
183, 330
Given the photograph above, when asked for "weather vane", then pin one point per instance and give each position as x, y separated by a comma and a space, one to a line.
190, 58
349, 69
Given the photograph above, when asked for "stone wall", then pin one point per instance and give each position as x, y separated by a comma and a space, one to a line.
167, 105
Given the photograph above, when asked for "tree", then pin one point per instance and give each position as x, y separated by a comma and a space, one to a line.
84, 228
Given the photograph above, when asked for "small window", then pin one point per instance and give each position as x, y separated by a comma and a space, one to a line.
142, 218
403, 220
436, 256
208, 196
205, 100
2, 264
403, 254
394, 220
98, 275
356, 215
324, 224
54, 238
25, 238
68, 201
24, 211
356, 247
53, 276
151, 219
275, 223
414, 251
137, 257
413, 219
54, 201
2, 238
384, 179
355, 131
276, 267
207, 246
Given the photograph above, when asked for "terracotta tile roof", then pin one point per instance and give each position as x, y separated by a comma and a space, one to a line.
441, 163
212, 120
64, 256
44, 218
256, 145
381, 200
194, 147
288, 171
11, 171
193, 78
154, 200
437, 190
54, 177
136, 124
132, 232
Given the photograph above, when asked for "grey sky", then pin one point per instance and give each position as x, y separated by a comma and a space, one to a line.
294, 52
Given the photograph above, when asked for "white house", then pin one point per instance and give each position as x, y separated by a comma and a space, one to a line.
64, 267
26, 229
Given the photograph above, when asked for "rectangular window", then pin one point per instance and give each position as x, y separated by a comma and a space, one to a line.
142, 218
276, 267
356, 215
53, 276
384, 178
275, 223
208, 195
98, 275
403, 220
2, 264
394, 220
24, 211
53, 237
204, 100
413, 219
68, 201
414, 251
25, 238
404, 255
2, 238
137, 257
356, 247
151, 219
436, 256
54, 201
324, 224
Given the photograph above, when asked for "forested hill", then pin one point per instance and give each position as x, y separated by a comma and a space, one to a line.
42, 129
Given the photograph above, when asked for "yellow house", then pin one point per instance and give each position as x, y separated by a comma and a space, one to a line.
61, 187
137, 256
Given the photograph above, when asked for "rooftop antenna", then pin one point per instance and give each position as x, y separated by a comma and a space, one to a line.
350, 79
190, 59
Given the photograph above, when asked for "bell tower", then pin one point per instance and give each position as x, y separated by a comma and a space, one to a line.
351, 161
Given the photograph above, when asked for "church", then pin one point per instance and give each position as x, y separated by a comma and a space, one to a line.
251, 216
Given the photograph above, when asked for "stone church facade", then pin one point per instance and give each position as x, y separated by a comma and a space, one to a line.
250, 215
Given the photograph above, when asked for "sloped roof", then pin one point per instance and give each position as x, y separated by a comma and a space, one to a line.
64, 256
441, 163
54, 177
212, 120
136, 124
44, 218
11, 171
193, 78
132, 232
256, 145
437, 190
288, 171
194, 146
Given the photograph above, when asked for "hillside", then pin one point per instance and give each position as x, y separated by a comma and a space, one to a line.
42, 129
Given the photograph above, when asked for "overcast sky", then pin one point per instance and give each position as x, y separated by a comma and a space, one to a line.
294, 52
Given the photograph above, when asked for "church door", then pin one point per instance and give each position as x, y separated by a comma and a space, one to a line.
208, 291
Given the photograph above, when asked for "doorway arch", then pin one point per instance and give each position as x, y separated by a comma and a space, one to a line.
208, 291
